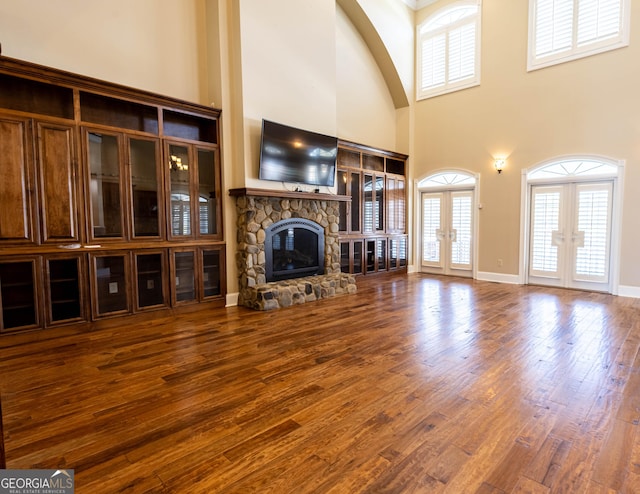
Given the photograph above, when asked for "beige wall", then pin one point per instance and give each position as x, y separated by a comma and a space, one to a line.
365, 110
288, 70
589, 106
157, 45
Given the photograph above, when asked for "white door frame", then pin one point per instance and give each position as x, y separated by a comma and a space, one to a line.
439, 180
617, 177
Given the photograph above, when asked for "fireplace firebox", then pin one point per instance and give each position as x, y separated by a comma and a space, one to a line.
294, 248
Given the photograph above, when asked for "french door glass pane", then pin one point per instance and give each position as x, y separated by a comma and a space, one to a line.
461, 225
592, 236
545, 221
430, 227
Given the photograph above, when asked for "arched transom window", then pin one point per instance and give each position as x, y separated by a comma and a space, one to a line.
574, 167
447, 179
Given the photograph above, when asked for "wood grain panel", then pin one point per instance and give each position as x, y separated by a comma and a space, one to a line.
58, 202
15, 183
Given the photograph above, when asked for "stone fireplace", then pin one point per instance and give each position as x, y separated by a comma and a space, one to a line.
265, 213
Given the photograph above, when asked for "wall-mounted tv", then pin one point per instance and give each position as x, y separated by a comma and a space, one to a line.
299, 156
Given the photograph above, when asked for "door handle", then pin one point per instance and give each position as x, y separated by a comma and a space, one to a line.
578, 238
557, 237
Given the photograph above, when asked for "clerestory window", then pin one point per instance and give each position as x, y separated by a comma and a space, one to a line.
449, 50
564, 30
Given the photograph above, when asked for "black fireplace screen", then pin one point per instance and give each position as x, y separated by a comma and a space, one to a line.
294, 248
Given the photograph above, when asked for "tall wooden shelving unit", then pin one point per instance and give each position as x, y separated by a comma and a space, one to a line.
110, 200
373, 237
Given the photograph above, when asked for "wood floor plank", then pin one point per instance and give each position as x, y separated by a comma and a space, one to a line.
416, 384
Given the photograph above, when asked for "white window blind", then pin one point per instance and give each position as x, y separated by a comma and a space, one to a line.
592, 233
563, 30
430, 228
448, 44
461, 212
545, 221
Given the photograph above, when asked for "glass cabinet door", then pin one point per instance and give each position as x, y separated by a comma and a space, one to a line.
368, 211
180, 190
342, 206
149, 273
18, 299
207, 192
211, 273
145, 192
381, 252
184, 277
357, 256
110, 283
105, 185
345, 257
64, 287
354, 184
379, 204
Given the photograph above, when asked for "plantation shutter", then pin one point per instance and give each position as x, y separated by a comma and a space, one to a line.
546, 235
598, 19
592, 232
448, 52
462, 53
433, 62
595, 21
431, 228
461, 211
554, 26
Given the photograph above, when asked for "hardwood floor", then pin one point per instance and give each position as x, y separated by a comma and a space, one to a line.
415, 384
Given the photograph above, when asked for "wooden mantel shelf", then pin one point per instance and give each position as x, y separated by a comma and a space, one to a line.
287, 194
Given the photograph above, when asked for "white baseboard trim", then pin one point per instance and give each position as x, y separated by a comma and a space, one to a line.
629, 291
512, 279
232, 299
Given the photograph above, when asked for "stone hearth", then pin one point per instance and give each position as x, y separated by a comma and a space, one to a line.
259, 209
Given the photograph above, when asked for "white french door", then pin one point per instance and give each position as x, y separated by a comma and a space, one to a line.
570, 235
447, 232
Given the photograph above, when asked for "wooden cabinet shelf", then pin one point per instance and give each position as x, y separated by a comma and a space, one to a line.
101, 185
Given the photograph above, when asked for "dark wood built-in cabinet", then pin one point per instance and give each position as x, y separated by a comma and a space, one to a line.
110, 200
372, 226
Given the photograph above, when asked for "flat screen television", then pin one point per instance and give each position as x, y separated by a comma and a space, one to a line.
299, 156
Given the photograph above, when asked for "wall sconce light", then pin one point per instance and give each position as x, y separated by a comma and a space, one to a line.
498, 164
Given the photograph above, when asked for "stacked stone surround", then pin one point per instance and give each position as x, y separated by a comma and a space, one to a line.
254, 215
279, 294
